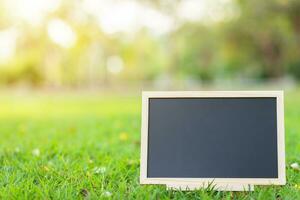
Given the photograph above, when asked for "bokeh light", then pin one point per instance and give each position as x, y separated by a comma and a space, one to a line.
161, 44
61, 33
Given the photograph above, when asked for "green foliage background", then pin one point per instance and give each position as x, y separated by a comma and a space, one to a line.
259, 40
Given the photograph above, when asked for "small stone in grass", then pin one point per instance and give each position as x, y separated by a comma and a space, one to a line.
107, 193
99, 170
36, 152
295, 166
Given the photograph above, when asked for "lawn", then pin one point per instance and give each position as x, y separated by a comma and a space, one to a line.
72, 146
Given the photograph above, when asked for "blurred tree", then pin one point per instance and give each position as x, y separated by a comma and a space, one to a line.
197, 51
71, 47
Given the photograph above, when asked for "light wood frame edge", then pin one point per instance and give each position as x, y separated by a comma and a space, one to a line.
281, 180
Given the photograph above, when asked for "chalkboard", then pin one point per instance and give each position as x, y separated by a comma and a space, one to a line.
220, 137
212, 137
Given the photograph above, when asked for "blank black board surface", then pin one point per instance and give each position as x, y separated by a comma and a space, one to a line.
212, 137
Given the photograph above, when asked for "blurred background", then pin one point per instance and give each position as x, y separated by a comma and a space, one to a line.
148, 44
72, 72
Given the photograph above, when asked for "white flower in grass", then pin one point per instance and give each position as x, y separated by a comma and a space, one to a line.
36, 152
295, 166
99, 170
107, 193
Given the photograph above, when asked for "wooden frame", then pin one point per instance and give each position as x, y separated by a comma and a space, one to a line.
281, 180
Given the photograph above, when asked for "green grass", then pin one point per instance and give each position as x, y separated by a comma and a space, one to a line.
89, 149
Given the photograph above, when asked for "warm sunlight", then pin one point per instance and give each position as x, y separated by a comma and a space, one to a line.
31, 11
206, 11
8, 39
115, 64
61, 33
127, 16
72, 76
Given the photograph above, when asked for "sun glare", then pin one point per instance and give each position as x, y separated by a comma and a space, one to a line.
8, 39
204, 10
127, 16
115, 64
31, 11
61, 33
